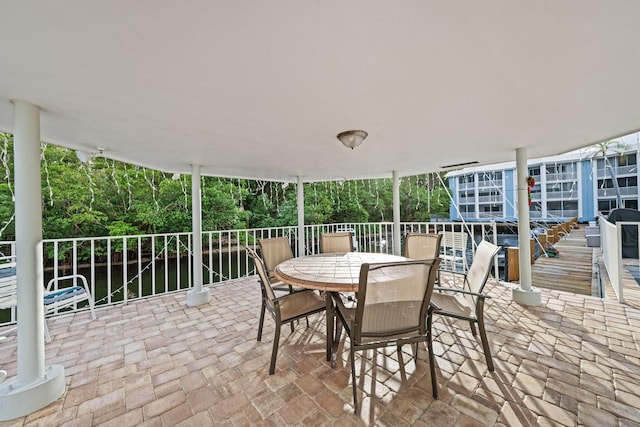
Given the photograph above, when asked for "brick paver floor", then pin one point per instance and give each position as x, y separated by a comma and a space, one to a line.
574, 360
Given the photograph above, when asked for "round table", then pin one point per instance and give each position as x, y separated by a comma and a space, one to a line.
333, 273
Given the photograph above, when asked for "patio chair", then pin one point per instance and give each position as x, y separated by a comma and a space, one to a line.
336, 242
55, 298
468, 303
392, 309
422, 246
454, 249
284, 309
274, 251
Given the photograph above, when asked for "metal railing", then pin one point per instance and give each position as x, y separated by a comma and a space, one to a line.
123, 268
611, 241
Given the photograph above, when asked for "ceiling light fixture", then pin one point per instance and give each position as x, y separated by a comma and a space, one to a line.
352, 138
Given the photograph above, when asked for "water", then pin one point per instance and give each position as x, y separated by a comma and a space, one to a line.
226, 266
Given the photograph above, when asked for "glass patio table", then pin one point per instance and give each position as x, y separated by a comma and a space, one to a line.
332, 273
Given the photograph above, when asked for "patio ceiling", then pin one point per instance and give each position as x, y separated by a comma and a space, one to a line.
260, 89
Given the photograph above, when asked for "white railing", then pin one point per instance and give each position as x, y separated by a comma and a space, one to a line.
562, 176
121, 268
611, 243
611, 192
562, 195
618, 171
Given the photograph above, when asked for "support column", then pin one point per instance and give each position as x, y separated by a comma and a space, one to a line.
397, 244
525, 294
300, 202
35, 385
198, 295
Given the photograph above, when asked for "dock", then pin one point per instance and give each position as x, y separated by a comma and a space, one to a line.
571, 270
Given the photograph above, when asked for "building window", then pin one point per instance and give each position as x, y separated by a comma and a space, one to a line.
626, 159
629, 181
606, 206
465, 179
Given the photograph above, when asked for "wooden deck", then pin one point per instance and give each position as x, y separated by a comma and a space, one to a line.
571, 271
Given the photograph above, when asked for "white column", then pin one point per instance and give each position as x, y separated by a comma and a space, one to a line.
198, 295
35, 385
525, 294
300, 202
397, 244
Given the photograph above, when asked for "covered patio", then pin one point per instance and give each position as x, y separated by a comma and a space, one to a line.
260, 91
156, 362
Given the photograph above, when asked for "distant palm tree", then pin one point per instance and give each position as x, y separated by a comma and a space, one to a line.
606, 148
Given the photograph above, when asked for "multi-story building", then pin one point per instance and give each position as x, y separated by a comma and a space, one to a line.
577, 184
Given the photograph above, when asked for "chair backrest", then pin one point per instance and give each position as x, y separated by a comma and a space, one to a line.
422, 246
265, 283
274, 251
454, 241
393, 299
8, 282
336, 242
481, 266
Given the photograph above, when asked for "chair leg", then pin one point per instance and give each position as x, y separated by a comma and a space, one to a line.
330, 320
262, 310
473, 327
353, 380
47, 336
432, 359
274, 352
485, 342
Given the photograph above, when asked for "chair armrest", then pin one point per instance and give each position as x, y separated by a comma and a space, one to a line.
339, 304
479, 295
283, 297
69, 277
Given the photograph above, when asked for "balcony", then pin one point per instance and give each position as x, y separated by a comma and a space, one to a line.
561, 177
496, 198
611, 192
468, 200
619, 171
566, 213
571, 361
151, 359
488, 184
562, 195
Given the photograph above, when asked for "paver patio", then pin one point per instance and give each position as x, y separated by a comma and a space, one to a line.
575, 360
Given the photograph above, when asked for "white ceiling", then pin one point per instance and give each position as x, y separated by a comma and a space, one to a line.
259, 89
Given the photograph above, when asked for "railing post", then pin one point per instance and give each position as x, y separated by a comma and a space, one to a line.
619, 286
300, 203
396, 214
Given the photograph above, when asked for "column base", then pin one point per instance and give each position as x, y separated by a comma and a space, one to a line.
195, 298
527, 297
19, 400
